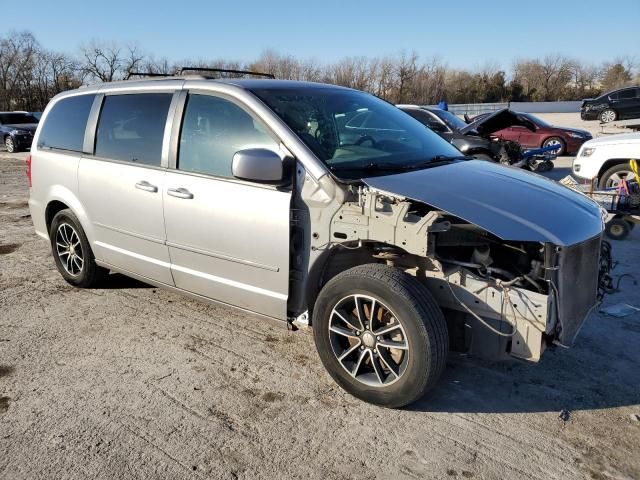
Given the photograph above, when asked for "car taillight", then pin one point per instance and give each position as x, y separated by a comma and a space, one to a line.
29, 170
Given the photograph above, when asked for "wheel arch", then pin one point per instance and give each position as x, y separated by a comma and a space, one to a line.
610, 163
53, 207
333, 262
550, 136
59, 198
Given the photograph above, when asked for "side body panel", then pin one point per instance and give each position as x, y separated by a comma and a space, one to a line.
54, 177
127, 221
230, 242
527, 138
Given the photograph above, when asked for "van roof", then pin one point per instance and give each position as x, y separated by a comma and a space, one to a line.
245, 83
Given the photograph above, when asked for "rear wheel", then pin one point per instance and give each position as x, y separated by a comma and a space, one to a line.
380, 335
608, 115
614, 175
72, 252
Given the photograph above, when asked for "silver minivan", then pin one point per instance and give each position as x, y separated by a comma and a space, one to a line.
317, 204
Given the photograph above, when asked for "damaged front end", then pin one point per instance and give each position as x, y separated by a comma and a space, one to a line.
509, 284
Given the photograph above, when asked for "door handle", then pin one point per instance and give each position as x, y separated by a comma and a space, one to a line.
146, 186
180, 193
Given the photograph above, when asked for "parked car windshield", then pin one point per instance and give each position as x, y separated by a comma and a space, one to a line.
17, 118
356, 134
452, 121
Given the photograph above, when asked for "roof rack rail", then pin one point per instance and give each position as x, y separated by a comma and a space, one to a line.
224, 70
150, 74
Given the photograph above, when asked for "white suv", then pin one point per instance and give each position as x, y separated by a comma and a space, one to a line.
607, 159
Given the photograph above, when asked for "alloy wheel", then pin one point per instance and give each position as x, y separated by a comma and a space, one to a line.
615, 179
554, 142
368, 340
8, 143
69, 249
608, 116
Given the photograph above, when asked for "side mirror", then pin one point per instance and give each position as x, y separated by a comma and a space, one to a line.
258, 165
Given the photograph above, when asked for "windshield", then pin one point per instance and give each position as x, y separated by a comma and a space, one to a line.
17, 118
353, 132
452, 121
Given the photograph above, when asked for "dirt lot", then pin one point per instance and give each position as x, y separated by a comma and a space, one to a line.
129, 381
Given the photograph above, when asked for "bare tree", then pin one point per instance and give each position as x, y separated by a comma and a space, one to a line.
30, 75
106, 62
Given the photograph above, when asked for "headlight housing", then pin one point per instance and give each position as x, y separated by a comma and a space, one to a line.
587, 152
575, 135
19, 132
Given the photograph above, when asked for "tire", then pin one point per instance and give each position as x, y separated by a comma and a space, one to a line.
629, 222
483, 156
609, 115
555, 141
542, 167
617, 229
77, 266
611, 177
406, 309
10, 146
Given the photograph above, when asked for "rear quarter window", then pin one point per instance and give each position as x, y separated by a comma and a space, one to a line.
65, 124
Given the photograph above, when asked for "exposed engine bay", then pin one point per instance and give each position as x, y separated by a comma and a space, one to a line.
500, 297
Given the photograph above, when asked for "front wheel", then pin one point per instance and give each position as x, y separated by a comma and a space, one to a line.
380, 335
10, 145
556, 141
72, 252
614, 175
608, 116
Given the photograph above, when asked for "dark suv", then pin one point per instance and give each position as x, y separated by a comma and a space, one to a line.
620, 104
17, 129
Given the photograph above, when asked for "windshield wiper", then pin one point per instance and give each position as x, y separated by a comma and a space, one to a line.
390, 167
432, 162
395, 167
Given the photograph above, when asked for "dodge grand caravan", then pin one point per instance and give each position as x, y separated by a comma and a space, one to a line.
260, 194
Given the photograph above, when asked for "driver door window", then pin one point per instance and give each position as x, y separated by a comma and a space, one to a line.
213, 130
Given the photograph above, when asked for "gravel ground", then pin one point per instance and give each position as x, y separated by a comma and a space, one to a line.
129, 381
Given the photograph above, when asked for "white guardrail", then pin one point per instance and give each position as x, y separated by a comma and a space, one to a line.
472, 109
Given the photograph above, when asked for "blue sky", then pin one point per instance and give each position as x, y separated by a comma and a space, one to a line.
462, 33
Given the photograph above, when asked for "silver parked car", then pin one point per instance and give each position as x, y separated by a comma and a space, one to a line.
270, 196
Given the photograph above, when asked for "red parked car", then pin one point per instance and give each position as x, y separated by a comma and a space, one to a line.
570, 139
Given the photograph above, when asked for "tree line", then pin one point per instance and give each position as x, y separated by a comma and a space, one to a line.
30, 74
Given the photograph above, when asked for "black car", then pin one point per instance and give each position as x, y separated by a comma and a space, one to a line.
620, 104
17, 129
476, 138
